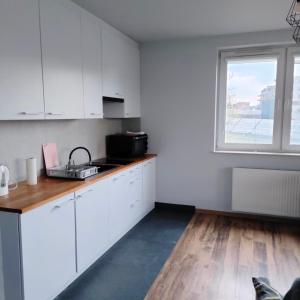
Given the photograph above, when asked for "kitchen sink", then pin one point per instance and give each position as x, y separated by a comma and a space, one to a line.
107, 164
103, 167
112, 161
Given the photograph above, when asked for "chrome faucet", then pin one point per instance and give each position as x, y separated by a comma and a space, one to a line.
78, 148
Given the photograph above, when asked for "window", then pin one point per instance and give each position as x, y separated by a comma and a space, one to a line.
259, 100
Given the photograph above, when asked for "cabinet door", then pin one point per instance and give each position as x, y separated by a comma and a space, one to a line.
21, 86
135, 195
62, 60
92, 65
121, 75
118, 207
149, 186
92, 208
48, 249
132, 80
113, 83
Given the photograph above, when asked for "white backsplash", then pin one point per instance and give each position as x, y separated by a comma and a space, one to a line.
20, 140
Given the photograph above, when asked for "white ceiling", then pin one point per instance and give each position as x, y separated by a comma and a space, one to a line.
147, 20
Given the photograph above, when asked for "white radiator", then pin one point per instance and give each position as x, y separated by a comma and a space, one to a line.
272, 192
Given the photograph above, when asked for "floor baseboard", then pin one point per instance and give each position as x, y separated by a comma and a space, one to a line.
278, 219
175, 207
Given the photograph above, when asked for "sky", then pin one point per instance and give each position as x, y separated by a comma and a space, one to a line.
246, 80
297, 67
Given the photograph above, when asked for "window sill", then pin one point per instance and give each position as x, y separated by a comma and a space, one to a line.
256, 153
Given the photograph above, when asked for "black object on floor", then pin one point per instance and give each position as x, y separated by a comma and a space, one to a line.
128, 269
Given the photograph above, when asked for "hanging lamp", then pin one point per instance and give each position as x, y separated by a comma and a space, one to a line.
293, 18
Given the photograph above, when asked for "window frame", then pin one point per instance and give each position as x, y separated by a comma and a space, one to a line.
224, 56
288, 101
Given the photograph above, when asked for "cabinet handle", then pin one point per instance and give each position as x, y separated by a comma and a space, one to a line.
24, 113
54, 114
131, 182
60, 205
88, 191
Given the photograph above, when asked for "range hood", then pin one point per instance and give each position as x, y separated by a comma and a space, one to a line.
113, 100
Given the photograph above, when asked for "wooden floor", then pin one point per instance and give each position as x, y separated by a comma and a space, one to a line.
217, 256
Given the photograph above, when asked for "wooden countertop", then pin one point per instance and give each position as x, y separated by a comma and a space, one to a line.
26, 197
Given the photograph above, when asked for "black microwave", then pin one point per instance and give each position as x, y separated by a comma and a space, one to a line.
126, 145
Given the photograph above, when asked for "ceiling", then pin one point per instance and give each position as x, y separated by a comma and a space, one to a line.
148, 20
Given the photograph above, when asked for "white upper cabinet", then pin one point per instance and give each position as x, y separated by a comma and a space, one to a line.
113, 59
57, 61
62, 59
121, 74
21, 87
132, 80
92, 65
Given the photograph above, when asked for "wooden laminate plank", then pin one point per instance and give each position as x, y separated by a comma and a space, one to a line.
26, 197
217, 256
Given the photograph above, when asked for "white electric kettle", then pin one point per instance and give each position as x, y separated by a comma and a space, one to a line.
4, 178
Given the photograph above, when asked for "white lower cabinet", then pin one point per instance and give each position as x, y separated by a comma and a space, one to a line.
149, 185
127, 203
48, 249
92, 207
135, 195
42, 251
118, 206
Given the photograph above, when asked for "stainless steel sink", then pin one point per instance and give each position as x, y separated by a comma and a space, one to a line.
107, 164
103, 167
113, 161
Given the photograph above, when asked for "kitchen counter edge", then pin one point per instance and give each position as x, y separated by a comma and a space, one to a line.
26, 198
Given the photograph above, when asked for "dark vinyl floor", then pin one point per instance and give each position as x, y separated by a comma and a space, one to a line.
128, 269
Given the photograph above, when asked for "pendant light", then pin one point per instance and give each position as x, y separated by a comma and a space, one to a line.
293, 18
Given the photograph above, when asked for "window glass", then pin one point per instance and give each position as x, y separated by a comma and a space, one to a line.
295, 120
250, 100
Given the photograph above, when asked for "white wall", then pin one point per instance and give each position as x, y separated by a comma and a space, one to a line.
178, 106
23, 139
